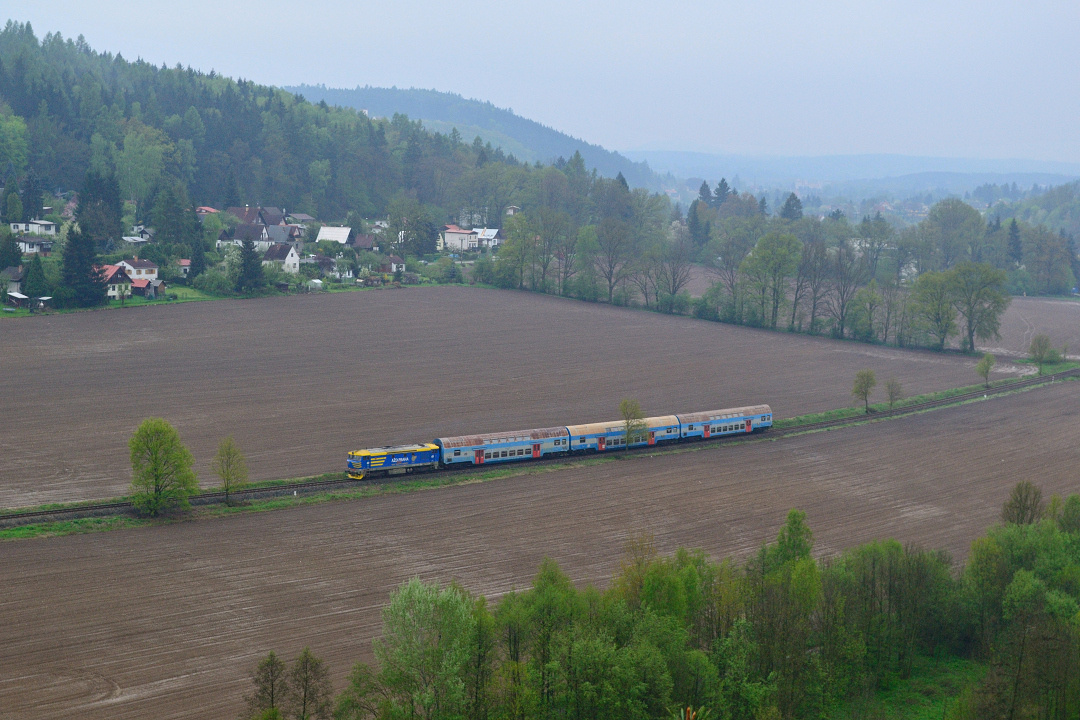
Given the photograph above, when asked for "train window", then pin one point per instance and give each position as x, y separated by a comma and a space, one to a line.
457, 453
487, 456
581, 440
521, 451
504, 453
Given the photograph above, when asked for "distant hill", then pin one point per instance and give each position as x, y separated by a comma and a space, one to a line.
860, 176
525, 139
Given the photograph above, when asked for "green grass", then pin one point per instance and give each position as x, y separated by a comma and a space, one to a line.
930, 693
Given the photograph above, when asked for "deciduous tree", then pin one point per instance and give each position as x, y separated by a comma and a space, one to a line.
984, 366
1025, 504
230, 466
310, 694
894, 391
1042, 351
161, 468
271, 688
633, 420
977, 291
864, 385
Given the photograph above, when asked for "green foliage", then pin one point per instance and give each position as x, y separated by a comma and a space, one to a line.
1025, 504
10, 255
230, 466
865, 382
1042, 352
984, 367
249, 278
894, 391
633, 421
82, 282
162, 478
271, 683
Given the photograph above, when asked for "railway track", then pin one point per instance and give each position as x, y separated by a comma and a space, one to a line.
9, 519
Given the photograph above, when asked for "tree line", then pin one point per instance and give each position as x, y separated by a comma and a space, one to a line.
948, 277
780, 635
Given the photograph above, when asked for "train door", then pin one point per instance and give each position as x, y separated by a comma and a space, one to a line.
600, 443
536, 450
705, 430
652, 437
749, 424
478, 458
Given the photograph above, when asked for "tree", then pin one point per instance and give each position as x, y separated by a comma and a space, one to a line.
864, 385
161, 468
82, 282
100, 211
894, 391
1024, 506
933, 305
984, 366
230, 466
792, 208
1042, 352
309, 695
10, 255
31, 197
633, 421
425, 649
271, 687
1016, 248
36, 285
977, 291
250, 278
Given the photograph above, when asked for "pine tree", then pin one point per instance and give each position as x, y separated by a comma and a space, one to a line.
792, 209
251, 277
10, 256
31, 197
100, 212
723, 191
1016, 248
763, 206
83, 284
35, 285
705, 193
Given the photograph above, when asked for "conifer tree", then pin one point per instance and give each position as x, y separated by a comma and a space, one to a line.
83, 284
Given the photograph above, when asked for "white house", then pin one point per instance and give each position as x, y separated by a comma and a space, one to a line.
488, 237
283, 255
334, 234
31, 245
140, 269
34, 227
453, 237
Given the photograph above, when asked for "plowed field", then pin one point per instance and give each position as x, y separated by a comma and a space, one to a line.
167, 622
300, 381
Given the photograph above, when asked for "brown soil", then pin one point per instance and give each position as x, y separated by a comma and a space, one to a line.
300, 381
168, 621
1027, 317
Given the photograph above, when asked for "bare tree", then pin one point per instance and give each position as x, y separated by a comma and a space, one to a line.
848, 274
1024, 506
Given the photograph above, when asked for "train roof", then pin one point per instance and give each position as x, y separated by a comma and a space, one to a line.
710, 415
620, 425
388, 449
502, 437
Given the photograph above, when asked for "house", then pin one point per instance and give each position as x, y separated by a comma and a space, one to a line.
283, 255
512, 210
135, 241
489, 237
366, 242
281, 234
140, 269
143, 232
254, 232
11, 279
334, 234
117, 281
185, 266
301, 218
203, 210
34, 227
378, 226
149, 289
34, 245
392, 265
272, 216
453, 237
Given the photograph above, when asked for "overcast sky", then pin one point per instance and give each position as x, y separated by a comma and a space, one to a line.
795, 77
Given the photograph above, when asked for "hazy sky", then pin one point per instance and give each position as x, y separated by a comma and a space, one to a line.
921, 77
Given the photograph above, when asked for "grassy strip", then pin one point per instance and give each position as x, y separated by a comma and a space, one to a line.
934, 687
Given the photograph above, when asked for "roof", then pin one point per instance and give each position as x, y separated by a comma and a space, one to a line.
503, 437
114, 274
364, 242
184, 262
335, 234
141, 264
247, 214
205, 209
619, 426
278, 253
248, 231
710, 415
135, 239
140, 283
456, 229
395, 259
301, 217
11, 274
271, 217
487, 233
278, 233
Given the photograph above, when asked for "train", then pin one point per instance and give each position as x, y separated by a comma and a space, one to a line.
522, 445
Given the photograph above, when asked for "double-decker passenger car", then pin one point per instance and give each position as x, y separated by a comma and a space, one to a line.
382, 460
503, 446
600, 437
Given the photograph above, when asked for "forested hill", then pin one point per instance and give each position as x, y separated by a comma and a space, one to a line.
523, 138
1057, 208
66, 109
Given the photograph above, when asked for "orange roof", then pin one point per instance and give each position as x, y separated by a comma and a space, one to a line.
140, 283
